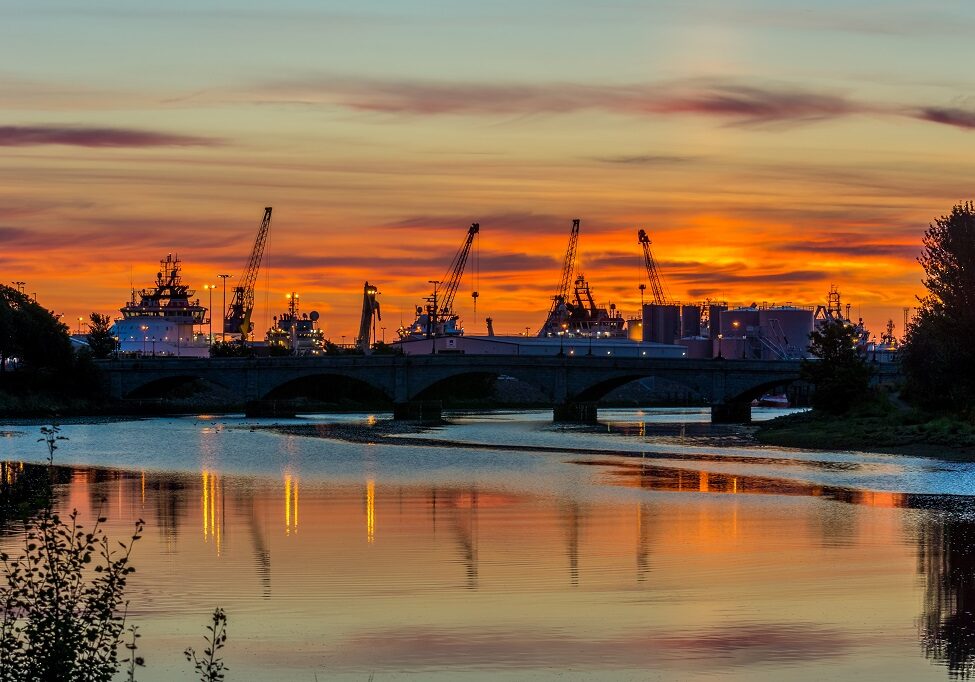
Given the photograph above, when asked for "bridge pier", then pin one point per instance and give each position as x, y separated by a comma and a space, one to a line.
731, 413
575, 412
418, 411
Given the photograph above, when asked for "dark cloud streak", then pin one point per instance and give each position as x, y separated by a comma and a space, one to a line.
78, 136
959, 118
736, 102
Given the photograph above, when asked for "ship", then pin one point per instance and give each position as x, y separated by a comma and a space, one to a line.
584, 317
297, 332
164, 321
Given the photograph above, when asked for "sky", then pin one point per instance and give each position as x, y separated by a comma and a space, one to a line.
771, 149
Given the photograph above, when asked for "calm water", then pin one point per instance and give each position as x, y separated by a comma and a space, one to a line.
505, 547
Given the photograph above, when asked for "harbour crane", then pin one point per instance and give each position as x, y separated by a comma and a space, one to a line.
438, 318
237, 319
558, 309
367, 322
656, 286
451, 281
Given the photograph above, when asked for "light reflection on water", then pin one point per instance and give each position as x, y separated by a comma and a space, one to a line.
444, 561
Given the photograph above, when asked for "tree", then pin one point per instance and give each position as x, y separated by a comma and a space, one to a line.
31, 333
99, 337
939, 355
840, 376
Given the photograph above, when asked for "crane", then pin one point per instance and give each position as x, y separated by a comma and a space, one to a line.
656, 286
451, 280
237, 319
370, 312
437, 318
568, 269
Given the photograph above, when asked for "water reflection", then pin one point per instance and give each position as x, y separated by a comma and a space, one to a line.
469, 576
370, 511
637, 474
290, 504
946, 558
212, 497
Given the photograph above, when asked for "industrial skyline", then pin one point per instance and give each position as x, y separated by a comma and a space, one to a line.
769, 149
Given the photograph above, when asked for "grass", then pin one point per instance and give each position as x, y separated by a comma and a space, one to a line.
879, 425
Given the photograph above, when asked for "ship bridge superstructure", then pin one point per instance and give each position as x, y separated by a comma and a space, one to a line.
164, 319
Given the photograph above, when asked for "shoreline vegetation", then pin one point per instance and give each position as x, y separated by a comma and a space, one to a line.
878, 425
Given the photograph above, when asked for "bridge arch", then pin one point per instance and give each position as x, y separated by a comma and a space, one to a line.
166, 386
600, 389
329, 387
434, 384
761, 388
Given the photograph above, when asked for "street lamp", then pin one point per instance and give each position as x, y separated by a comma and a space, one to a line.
145, 338
210, 288
223, 327
80, 320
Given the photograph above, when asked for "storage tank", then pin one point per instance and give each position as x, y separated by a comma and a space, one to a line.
733, 348
690, 320
740, 322
661, 323
698, 347
714, 318
788, 327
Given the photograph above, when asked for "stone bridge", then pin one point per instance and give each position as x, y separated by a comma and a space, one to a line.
572, 384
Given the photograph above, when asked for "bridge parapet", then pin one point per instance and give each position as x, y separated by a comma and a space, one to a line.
565, 381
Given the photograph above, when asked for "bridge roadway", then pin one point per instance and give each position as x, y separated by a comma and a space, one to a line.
572, 384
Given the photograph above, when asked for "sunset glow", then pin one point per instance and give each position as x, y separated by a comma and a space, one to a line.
769, 150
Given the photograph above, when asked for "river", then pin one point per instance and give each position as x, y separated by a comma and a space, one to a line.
504, 547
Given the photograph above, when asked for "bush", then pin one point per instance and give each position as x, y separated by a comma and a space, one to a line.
63, 613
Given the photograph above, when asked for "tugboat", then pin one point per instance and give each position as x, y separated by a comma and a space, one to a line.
164, 320
298, 332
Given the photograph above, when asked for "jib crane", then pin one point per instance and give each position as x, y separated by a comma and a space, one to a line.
451, 281
238, 316
656, 286
562, 293
367, 322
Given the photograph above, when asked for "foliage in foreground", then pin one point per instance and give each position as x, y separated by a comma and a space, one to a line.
62, 608
210, 667
31, 334
840, 376
939, 357
62, 599
99, 337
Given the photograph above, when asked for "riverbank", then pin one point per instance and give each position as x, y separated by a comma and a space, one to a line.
879, 427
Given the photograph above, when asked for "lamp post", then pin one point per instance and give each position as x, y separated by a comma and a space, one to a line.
561, 342
210, 288
384, 335
223, 327
145, 338
80, 320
